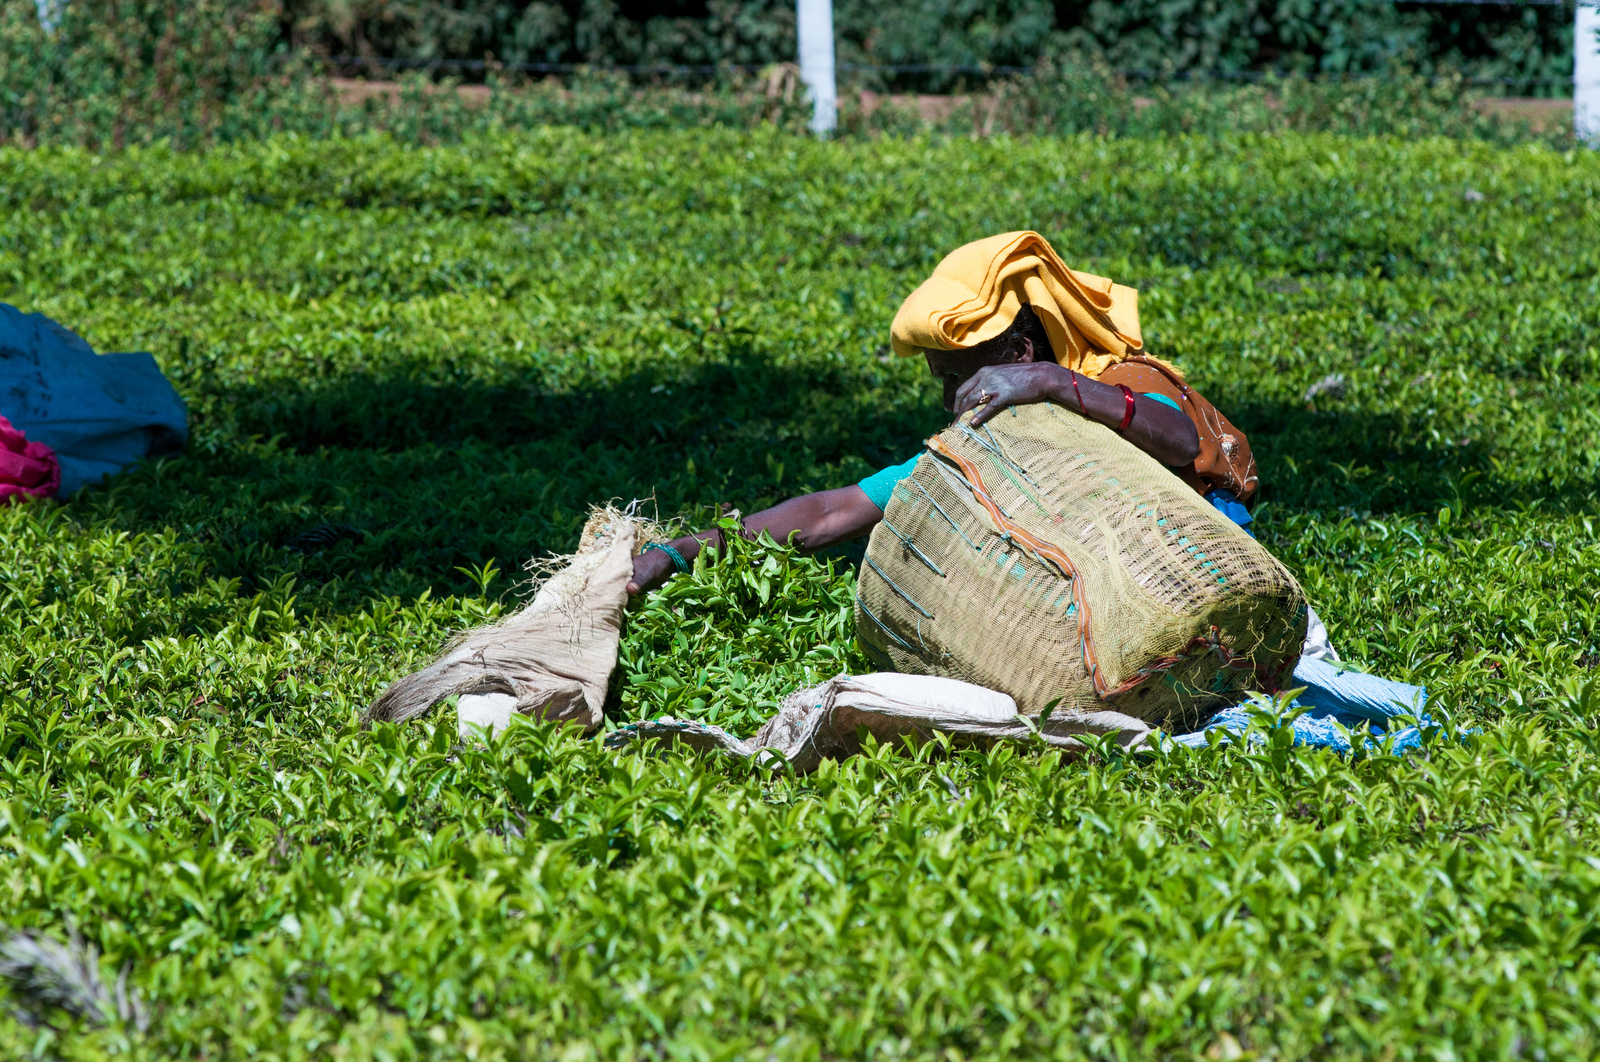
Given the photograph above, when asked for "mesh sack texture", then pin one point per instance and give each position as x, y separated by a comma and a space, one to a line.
1044, 556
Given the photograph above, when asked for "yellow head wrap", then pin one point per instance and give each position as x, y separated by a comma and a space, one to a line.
975, 292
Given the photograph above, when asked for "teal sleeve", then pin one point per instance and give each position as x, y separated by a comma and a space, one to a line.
1163, 399
880, 485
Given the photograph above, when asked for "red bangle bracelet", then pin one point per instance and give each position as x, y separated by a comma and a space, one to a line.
1075, 393
1127, 414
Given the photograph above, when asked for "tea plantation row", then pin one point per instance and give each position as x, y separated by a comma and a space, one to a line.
449, 354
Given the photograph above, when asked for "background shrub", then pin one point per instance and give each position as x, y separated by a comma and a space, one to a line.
115, 72
118, 72
1190, 37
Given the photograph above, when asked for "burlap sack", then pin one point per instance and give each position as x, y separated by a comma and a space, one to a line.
551, 660
1045, 557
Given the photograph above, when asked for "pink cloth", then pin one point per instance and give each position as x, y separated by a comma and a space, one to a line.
27, 469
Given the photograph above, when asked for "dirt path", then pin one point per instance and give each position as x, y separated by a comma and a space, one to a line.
1542, 114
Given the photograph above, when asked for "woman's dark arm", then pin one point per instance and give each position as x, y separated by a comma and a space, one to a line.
1164, 433
816, 520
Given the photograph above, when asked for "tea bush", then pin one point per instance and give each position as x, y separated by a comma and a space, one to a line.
451, 352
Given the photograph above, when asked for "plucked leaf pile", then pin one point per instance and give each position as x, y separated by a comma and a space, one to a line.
412, 370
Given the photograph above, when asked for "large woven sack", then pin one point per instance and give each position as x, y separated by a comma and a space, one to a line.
1044, 556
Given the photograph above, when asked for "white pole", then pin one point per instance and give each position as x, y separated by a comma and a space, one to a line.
1586, 72
815, 24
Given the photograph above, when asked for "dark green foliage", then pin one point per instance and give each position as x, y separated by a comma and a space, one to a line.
125, 71
1328, 36
1204, 37
447, 354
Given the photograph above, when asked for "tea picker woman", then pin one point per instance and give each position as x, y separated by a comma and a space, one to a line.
1004, 322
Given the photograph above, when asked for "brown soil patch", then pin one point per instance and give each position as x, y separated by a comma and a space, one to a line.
354, 91
1542, 114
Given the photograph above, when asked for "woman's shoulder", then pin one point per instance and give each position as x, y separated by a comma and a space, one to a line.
1225, 460
1144, 378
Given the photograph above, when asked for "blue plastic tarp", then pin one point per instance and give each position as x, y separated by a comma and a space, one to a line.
1335, 701
100, 413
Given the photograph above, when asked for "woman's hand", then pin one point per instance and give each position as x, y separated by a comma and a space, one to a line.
650, 570
811, 522
1016, 384
1161, 431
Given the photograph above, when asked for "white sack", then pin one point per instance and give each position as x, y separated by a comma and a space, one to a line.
824, 722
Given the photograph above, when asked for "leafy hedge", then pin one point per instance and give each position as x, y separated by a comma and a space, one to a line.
115, 72
456, 350
217, 88
120, 72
